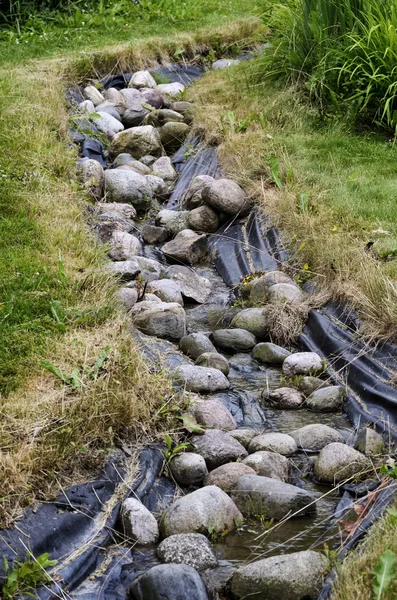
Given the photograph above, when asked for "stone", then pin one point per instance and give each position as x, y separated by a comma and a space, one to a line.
125, 159
326, 399
302, 363
148, 160
308, 385
256, 495
91, 175
124, 245
244, 435
170, 91
91, 93
187, 247
203, 218
253, 320
193, 286
191, 549
285, 292
131, 97
224, 63
86, 107
138, 522
160, 319
269, 464
151, 97
193, 196
125, 210
273, 442
174, 221
152, 234
235, 340
128, 186
163, 168
201, 379
226, 476
107, 124
139, 265
314, 437
182, 106
142, 79
213, 360
218, 448
296, 576
166, 289
259, 286
151, 298
284, 398
217, 580
111, 109
159, 117
214, 415
116, 98
134, 116
337, 462
137, 141
127, 296
195, 344
269, 353
157, 185
188, 468
226, 196
208, 508
173, 135
168, 582
369, 442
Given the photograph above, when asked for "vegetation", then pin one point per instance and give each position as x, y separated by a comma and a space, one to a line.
26, 576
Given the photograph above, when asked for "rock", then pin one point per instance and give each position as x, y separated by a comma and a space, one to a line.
124, 246
369, 442
160, 117
201, 379
296, 576
148, 160
218, 448
226, 476
193, 195
160, 319
302, 363
309, 384
326, 399
269, 353
244, 435
127, 296
170, 91
337, 462
193, 286
116, 98
111, 109
260, 285
142, 79
125, 159
153, 234
253, 320
213, 360
86, 107
91, 93
204, 219
315, 437
107, 124
283, 398
128, 186
224, 63
226, 196
191, 549
285, 292
91, 175
188, 468
151, 97
166, 289
137, 141
163, 168
125, 210
139, 265
273, 442
151, 298
110, 222
255, 495
235, 340
182, 106
173, 135
269, 464
157, 185
195, 344
187, 247
131, 98
198, 512
174, 221
217, 580
214, 415
168, 582
138, 523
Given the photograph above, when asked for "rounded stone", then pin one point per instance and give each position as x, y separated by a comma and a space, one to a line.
269, 353
337, 462
161, 319
316, 436
269, 464
129, 187
127, 296
302, 363
214, 360
187, 247
235, 340
226, 476
326, 399
173, 220
153, 234
253, 320
195, 344
273, 442
284, 398
124, 245
166, 289
138, 522
244, 435
173, 134
137, 141
218, 448
91, 93
203, 218
170, 91
201, 379
163, 168
308, 384
191, 549
142, 79
168, 582
285, 292
226, 196
214, 415
188, 468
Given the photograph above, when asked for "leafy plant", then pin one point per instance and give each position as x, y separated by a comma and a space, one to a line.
275, 171
385, 571
190, 423
77, 376
26, 576
331, 556
216, 536
172, 449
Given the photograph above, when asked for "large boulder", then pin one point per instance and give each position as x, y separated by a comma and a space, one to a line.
193, 286
124, 245
187, 247
191, 549
173, 134
226, 475
218, 448
139, 525
203, 218
129, 187
297, 576
234, 340
226, 196
207, 509
214, 415
161, 319
166, 289
188, 468
337, 462
253, 320
285, 292
315, 437
173, 220
302, 363
285, 398
255, 495
213, 360
168, 582
269, 353
137, 141
326, 399
273, 442
195, 344
200, 379
269, 464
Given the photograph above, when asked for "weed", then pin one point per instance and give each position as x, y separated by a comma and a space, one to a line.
25, 576
331, 556
216, 536
275, 171
173, 449
77, 377
384, 572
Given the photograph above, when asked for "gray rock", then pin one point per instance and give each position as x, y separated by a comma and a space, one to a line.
166, 289
302, 363
138, 523
139, 167
127, 296
170, 91
173, 135
217, 580
173, 220
226, 476
152, 234
244, 435
195, 344
253, 320
203, 218
131, 97
124, 246
260, 285
224, 63
337, 462
191, 549
142, 79
134, 116
110, 222
326, 399
160, 117
125, 210
255, 495
137, 141
91, 93
226, 196
157, 185
297, 576
163, 168
114, 96
193, 195
193, 286
187, 247
198, 512
269, 353
284, 398
86, 107
148, 160
218, 448
309, 384
214, 415
110, 108
123, 159
269, 464
91, 175
235, 340
107, 124
128, 186
188, 468
213, 360
273, 442
285, 292
151, 298
151, 97
201, 379
168, 582
161, 319
315, 437
369, 442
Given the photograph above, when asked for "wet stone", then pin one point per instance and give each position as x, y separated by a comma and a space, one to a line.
195, 344
188, 469
315, 437
226, 476
153, 234
337, 462
326, 399
191, 549
213, 414
302, 363
273, 442
308, 384
369, 442
168, 582
284, 398
235, 340
269, 464
213, 360
201, 379
269, 353
218, 448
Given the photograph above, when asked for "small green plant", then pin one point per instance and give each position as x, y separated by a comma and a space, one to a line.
275, 171
26, 576
389, 468
384, 573
331, 556
78, 376
216, 536
172, 450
